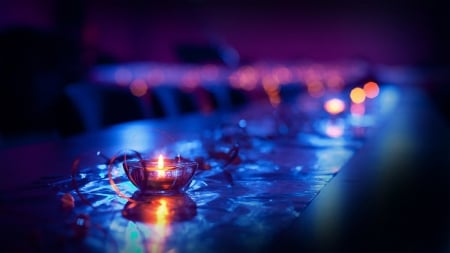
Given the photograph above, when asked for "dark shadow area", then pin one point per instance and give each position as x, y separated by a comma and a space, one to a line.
34, 67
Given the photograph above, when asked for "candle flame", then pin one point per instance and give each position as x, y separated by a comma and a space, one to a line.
160, 168
160, 162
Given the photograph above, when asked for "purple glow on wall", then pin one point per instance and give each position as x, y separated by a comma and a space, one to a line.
382, 32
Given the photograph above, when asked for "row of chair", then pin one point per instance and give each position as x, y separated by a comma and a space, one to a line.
96, 106
86, 106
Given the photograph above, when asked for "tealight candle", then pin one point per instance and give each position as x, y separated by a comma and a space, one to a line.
161, 176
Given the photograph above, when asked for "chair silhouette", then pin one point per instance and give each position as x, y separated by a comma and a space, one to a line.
99, 106
174, 101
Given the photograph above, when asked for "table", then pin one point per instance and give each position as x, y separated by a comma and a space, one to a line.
291, 189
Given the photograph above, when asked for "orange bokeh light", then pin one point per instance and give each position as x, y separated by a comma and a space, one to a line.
248, 78
138, 87
271, 87
334, 106
371, 89
315, 89
282, 74
357, 95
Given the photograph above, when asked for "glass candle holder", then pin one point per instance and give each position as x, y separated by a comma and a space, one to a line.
160, 176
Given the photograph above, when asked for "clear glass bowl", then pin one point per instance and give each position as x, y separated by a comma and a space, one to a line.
173, 178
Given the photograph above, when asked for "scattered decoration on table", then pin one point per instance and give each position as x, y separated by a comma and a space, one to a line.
67, 201
249, 176
81, 225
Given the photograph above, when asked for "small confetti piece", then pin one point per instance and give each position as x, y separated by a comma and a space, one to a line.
67, 201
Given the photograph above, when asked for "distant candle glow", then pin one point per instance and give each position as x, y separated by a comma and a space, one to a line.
315, 89
334, 130
244, 78
282, 74
270, 85
357, 95
334, 106
138, 87
371, 89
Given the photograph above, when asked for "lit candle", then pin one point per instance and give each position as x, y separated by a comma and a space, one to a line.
161, 173
160, 176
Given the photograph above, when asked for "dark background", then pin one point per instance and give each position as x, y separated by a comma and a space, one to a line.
46, 45
387, 32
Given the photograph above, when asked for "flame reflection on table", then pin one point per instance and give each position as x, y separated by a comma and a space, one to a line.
159, 212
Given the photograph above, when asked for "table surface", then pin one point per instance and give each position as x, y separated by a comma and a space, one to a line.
301, 181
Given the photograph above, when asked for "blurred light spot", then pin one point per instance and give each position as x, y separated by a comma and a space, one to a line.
334, 130
311, 76
335, 81
129, 230
299, 72
357, 109
190, 80
248, 78
209, 72
123, 76
298, 168
187, 147
371, 89
388, 99
334, 106
357, 95
315, 89
155, 77
234, 79
282, 75
271, 87
138, 87
242, 123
